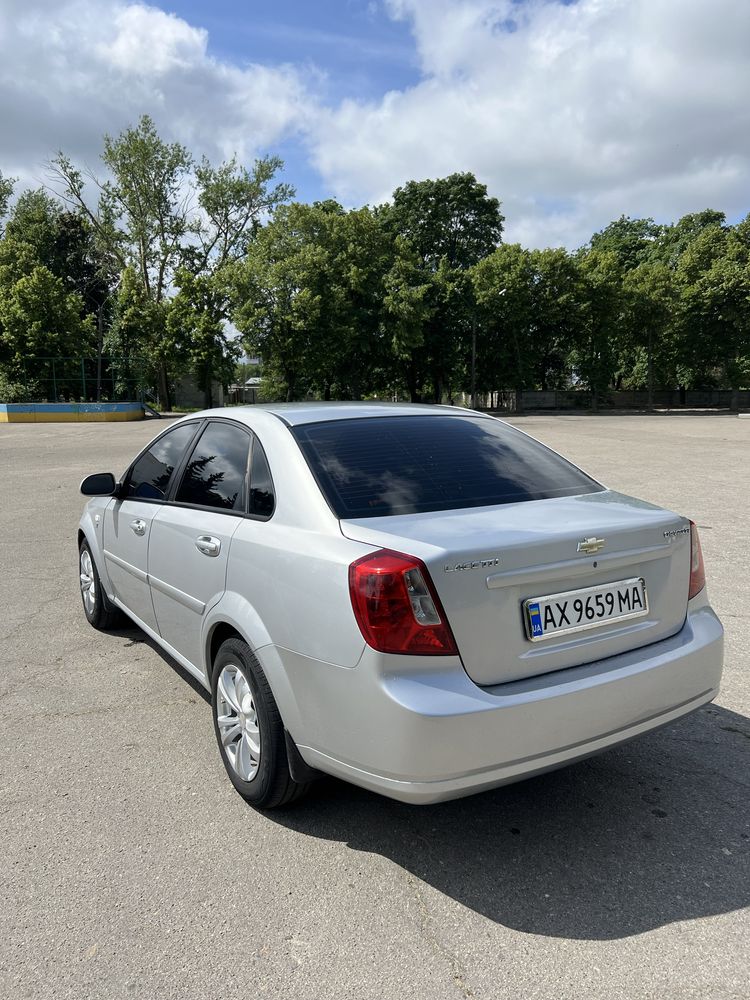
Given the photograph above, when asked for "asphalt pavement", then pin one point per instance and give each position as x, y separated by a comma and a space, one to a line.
129, 867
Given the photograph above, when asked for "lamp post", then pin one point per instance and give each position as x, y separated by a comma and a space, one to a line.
473, 362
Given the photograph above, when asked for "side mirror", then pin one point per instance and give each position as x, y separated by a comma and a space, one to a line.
101, 484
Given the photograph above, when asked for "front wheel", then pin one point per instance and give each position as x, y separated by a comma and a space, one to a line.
97, 608
249, 729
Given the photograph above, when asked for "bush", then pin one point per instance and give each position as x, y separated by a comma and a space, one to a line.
13, 390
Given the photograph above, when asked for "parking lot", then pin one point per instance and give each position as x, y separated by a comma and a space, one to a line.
129, 867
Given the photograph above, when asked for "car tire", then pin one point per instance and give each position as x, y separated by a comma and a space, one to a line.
100, 613
249, 729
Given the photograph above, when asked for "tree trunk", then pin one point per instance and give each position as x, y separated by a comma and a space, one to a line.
165, 398
208, 397
99, 350
411, 382
519, 369
734, 404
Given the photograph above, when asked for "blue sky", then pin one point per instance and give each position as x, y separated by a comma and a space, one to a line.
352, 49
362, 51
572, 113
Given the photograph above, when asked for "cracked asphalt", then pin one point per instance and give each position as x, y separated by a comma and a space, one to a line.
130, 868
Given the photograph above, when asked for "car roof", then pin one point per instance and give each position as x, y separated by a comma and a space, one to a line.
295, 414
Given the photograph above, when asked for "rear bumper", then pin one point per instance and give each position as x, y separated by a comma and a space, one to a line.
431, 734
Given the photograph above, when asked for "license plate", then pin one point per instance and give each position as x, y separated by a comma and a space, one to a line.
580, 610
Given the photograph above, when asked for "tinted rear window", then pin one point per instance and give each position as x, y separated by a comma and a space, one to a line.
372, 466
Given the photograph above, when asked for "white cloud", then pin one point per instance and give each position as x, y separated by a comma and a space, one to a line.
74, 69
171, 43
572, 114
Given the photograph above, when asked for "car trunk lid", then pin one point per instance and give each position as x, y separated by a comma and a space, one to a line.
487, 562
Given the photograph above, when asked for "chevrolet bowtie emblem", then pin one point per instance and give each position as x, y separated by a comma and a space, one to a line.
591, 545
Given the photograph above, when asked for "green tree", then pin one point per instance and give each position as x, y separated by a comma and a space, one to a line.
278, 297
146, 221
633, 241
64, 243
408, 307
714, 275
6, 193
137, 332
676, 239
451, 217
450, 224
650, 300
196, 324
504, 289
308, 299
142, 218
555, 316
351, 356
233, 200
595, 352
39, 317
42, 281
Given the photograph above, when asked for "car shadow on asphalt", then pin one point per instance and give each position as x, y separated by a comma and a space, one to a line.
136, 636
650, 833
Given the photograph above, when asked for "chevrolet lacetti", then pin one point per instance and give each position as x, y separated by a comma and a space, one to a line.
421, 600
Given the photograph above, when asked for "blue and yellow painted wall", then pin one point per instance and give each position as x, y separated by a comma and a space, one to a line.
34, 413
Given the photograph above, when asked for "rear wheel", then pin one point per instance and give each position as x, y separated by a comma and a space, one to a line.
96, 606
249, 729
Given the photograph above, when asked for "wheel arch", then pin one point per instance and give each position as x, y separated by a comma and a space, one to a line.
87, 531
218, 635
235, 617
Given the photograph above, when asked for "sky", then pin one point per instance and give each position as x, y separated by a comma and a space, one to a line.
572, 112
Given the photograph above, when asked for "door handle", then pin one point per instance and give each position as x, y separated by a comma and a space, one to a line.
207, 545
138, 526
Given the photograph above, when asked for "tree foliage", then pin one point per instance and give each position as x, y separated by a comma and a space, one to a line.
173, 265
45, 275
159, 217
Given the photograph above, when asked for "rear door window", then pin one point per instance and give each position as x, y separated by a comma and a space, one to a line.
372, 466
216, 472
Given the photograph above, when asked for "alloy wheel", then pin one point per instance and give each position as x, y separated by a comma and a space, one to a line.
237, 720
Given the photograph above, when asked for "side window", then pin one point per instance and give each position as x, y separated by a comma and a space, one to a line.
149, 478
216, 472
262, 500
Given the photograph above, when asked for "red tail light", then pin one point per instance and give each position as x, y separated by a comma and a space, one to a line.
697, 570
396, 605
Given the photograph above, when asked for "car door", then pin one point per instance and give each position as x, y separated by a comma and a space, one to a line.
191, 535
129, 517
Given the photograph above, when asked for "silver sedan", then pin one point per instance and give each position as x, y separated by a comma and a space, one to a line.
421, 600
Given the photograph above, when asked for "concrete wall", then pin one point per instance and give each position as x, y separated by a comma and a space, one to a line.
14, 413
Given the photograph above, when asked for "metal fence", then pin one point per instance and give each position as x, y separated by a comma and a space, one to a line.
84, 380
620, 399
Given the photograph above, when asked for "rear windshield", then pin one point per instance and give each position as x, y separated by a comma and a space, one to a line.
373, 466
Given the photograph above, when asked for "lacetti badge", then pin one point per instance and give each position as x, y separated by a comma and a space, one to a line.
590, 545
675, 533
474, 564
